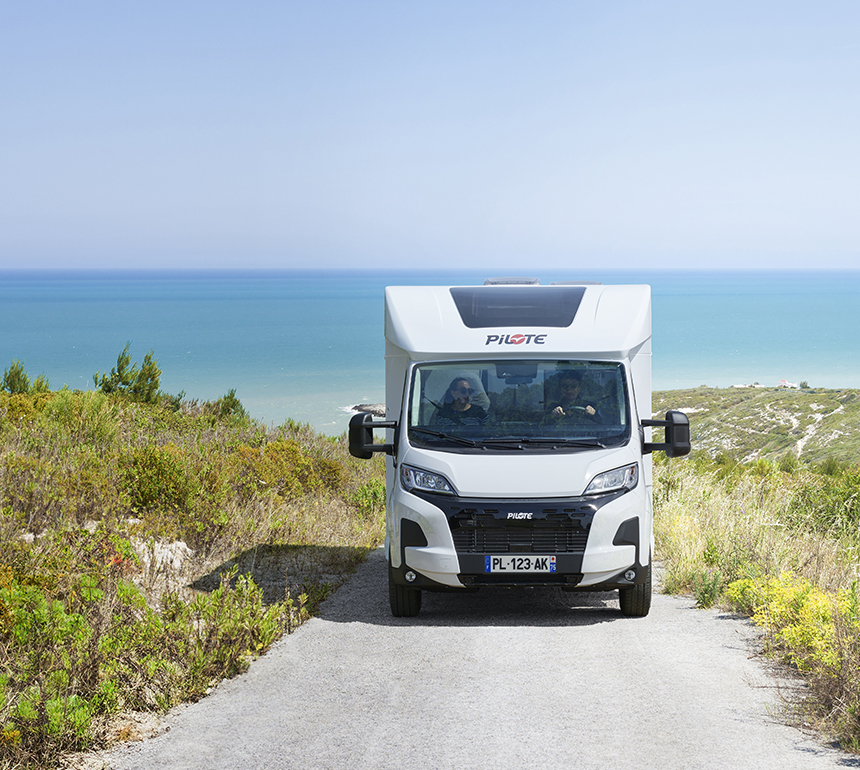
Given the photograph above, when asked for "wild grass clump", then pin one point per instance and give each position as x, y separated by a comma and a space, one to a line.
817, 633
149, 548
781, 546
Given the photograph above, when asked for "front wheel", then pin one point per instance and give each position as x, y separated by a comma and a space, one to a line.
405, 602
636, 601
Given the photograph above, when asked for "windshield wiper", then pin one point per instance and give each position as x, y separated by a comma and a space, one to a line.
445, 436
545, 442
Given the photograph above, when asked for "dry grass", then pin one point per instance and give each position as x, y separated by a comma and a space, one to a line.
146, 553
743, 527
752, 541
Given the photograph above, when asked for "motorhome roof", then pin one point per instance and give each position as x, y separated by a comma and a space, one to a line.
519, 319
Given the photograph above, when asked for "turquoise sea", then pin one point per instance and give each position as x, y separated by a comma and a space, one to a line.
307, 344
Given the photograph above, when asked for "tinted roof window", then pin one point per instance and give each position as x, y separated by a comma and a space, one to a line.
485, 306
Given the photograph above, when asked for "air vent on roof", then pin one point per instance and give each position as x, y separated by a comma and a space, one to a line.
577, 283
512, 281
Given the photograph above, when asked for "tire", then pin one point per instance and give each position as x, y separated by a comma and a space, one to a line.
636, 601
405, 602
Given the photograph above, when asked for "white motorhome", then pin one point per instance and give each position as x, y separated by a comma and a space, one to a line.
518, 436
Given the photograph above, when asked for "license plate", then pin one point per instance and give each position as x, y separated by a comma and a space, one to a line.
508, 563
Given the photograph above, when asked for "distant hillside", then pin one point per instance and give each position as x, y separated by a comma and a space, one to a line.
752, 423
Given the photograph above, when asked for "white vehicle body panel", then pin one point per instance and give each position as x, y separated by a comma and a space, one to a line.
423, 324
518, 435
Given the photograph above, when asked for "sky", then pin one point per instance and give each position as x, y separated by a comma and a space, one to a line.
457, 133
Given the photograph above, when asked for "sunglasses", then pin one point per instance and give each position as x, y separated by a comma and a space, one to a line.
467, 391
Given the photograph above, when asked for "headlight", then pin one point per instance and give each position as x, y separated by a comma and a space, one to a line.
414, 478
611, 481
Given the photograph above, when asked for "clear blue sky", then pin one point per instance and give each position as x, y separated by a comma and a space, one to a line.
445, 133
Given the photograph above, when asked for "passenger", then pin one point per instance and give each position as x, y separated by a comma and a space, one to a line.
569, 406
457, 407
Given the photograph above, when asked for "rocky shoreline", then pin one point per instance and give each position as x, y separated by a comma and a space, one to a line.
377, 410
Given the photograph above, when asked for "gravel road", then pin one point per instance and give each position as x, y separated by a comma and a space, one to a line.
501, 678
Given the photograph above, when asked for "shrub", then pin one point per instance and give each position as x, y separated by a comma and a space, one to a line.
41, 385
98, 647
819, 634
158, 479
27, 490
87, 418
828, 504
788, 463
830, 466
17, 406
278, 467
331, 473
229, 406
707, 587
369, 499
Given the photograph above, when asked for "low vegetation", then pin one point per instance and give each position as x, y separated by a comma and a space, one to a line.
812, 425
779, 542
150, 546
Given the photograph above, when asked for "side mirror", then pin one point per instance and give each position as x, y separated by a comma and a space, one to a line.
677, 427
361, 436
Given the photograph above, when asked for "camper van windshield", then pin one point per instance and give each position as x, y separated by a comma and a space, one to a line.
542, 405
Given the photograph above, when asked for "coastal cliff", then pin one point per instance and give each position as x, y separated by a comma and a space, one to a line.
768, 423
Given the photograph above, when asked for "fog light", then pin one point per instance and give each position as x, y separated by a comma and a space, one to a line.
410, 576
630, 575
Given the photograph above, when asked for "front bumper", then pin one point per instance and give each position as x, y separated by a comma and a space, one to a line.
441, 542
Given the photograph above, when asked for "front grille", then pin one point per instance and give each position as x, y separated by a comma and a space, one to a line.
476, 532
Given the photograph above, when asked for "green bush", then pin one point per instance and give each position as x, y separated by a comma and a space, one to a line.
229, 406
369, 499
87, 418
27, 490
159, 478
707, 587
277, 468
789, 463
23, 407
830, 466
41, 385
99, 648
828, 503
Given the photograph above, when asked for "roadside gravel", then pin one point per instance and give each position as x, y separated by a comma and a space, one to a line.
501, 678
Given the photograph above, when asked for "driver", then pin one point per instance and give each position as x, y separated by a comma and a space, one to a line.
569, 406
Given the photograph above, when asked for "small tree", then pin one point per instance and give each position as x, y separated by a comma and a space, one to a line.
15, 379
145, 385
40, 384
229, 405
120, 377
140, 383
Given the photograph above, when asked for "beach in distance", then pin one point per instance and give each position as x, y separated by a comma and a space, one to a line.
308, 344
